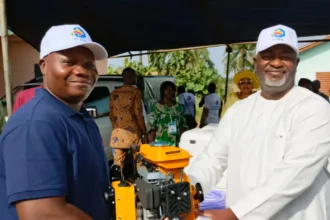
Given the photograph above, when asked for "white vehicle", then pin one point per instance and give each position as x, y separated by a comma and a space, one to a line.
98, 102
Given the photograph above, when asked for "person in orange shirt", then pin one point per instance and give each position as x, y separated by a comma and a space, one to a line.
126, 116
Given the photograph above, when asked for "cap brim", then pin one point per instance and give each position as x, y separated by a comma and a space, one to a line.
278, 43
100, 53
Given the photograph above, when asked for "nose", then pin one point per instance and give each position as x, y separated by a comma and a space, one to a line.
81, 71
85, 72
276, 63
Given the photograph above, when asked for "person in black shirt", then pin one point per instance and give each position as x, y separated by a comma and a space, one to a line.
316, 85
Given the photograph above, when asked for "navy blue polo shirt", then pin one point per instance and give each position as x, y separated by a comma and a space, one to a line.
46, 150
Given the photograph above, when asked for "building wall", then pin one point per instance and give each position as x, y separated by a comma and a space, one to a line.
22, 59
102, 66
316, 59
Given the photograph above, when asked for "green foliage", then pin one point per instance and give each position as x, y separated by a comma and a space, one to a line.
113, 71
240, 58
191, 68
137, 66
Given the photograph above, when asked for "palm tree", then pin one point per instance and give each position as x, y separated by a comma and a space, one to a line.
172, 63
240, 58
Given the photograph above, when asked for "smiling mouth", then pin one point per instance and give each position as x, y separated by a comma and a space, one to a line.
82, 82
275, 73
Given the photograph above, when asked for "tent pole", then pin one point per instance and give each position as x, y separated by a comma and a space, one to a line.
228, 50
140, 58
5, 56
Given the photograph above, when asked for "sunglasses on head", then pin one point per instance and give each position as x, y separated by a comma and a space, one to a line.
245, 82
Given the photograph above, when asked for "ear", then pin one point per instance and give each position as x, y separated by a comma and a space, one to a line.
43, 66
255, 61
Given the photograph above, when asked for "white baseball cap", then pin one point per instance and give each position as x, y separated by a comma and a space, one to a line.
64, 37
279, 34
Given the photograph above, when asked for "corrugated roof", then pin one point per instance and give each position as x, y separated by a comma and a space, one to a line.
302, 45
310, 45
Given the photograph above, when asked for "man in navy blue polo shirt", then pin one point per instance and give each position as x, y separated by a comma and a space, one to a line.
52, 164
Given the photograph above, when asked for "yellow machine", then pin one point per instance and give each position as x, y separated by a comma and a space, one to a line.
160, 185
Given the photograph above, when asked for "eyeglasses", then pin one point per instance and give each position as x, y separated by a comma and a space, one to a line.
245, 82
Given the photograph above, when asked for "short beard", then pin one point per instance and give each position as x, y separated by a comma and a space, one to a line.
273, 87
279, 83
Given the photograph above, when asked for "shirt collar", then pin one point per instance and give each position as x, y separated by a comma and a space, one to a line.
63, 108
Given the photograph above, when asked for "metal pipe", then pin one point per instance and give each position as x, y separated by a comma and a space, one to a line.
5, 57
140, 58
228, 50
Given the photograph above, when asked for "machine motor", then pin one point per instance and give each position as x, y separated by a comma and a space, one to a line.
160, 185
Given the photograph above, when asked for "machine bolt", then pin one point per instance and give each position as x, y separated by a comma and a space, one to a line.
179, 198
185, 194
172, 192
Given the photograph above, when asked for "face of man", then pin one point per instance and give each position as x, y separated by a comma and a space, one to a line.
70, 74
130, 77
134, 78
276, 68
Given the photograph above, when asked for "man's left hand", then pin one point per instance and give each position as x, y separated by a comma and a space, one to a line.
226, 214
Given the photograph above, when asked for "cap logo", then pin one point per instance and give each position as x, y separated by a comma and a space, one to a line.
279, 33
78, 32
